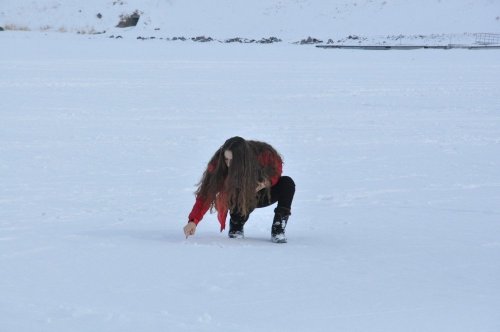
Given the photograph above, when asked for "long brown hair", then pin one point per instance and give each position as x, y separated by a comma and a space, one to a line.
234, 187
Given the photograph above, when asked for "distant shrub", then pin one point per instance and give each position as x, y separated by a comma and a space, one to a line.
310, 40
269, 40
13, 27
89, 31
202, 39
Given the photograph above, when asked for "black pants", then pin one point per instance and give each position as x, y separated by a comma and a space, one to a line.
282, 192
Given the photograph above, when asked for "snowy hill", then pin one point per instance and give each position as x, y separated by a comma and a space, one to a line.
285, 19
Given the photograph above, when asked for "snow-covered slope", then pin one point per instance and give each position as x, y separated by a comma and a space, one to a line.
287, 19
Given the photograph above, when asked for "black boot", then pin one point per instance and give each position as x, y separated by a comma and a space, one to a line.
279, 224
236, 229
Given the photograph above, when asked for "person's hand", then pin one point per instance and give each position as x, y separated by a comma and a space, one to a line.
190, 229
263, 184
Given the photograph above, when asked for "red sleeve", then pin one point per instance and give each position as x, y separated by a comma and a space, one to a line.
200, 207
279, 170
267, 158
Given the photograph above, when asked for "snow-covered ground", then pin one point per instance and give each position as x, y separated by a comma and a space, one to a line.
395, 225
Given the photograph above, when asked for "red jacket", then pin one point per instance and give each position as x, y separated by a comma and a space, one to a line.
201, 207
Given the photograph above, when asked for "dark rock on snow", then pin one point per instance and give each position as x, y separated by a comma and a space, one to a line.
129, 20
310, 40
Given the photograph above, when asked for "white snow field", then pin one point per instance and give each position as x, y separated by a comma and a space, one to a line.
395, 154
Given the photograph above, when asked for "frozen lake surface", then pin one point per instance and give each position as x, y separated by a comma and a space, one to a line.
396, 157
